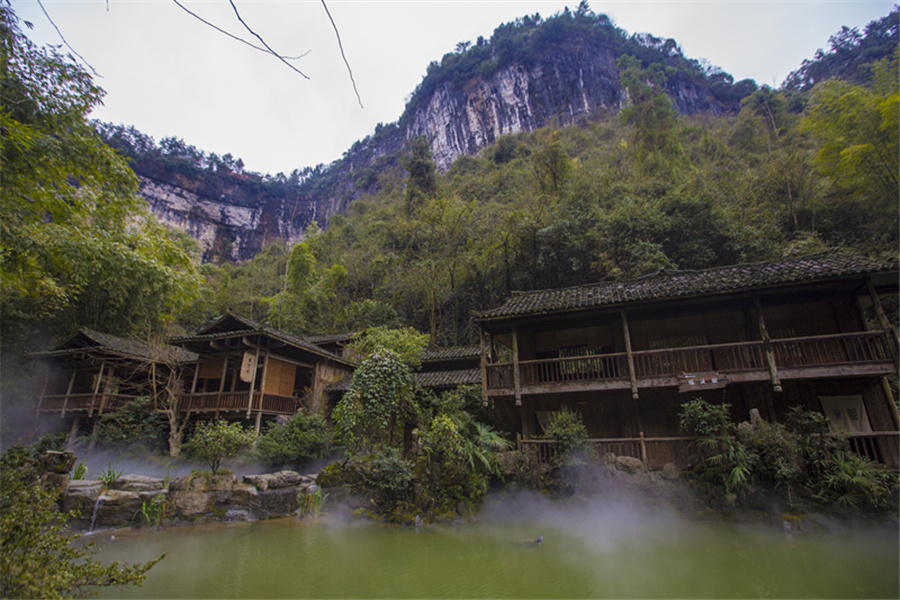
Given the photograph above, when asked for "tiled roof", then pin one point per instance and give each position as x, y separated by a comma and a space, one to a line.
451, 353
88, 339
674, 284
429, 379
448, 379
253, 327
329, 338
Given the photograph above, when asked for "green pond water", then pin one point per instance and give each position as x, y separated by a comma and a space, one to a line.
589, 551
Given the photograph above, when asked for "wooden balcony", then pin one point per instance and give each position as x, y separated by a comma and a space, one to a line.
270, 404
847, 354
81, 403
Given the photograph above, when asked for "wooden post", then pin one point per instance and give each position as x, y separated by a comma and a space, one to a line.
70, 443
109, 377
886, 326
517, 386
196, 377
643, 451
262, 385
767, 345
68, 393
253, 382
96, 388
629, 355
46, 386
222, 379
484, 381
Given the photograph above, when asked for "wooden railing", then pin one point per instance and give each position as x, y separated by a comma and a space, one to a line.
82, 402
238, 401
654, 452
882, 447
826, 350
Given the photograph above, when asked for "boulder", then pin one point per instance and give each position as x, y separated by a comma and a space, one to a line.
670, 472
116, 508
81, 496
57, 462
278, 502
629, 464
137, 483
268, 481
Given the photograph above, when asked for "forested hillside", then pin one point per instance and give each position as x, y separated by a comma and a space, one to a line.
617, 196
614, 194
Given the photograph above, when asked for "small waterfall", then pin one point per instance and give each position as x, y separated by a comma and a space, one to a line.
97, 505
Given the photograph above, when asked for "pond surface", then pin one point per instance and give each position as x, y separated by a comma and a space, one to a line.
595, 551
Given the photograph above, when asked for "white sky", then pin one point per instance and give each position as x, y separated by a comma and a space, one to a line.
168, 74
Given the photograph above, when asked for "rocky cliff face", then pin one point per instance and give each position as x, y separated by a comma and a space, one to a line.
560, 88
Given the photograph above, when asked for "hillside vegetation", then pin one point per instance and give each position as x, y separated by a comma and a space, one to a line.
619, 196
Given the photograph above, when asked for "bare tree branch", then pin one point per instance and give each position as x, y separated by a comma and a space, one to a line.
46, 14
234, 37
275, 54
341, 46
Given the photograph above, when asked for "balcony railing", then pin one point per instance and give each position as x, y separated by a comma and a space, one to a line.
238, 401
82, 402
743, 357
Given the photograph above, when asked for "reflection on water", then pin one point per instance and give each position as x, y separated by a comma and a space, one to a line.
588, 551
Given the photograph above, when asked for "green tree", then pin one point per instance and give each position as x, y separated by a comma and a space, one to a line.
214, 441
70, 214
860, 135
405, 343
38, 557
422, 182
302, 438
379, 404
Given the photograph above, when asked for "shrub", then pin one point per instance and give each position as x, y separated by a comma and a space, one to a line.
300, 439
390, 478
216, 440
39, 558
568, 430
134, 423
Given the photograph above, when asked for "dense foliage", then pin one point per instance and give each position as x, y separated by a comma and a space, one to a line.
70, 211
294, 443
38, 557
799, 464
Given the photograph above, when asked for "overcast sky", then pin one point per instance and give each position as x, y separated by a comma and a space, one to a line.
168, 74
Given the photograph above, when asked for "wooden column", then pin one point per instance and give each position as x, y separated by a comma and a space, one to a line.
629, 355
484, 381
516, 381
73, 433
886, 326
222, 379
68, 392
109, 377
253, 382
96, 388
196, 377
44, 388
767, 345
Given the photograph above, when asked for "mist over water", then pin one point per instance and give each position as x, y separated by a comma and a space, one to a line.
598, 547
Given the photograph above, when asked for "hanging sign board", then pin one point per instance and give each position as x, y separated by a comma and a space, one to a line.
248, 367
702, 381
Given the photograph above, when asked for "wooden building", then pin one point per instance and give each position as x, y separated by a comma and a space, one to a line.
93, 373
808, 332
250, 368
449, 367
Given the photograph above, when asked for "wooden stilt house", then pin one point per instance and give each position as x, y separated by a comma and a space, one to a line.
248, 368
809, 332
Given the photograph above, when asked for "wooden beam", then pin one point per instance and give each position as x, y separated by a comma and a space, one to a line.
109, 377
96, 388
629, 355
68, 393
484, 382
886, 326
517, 385
767, 345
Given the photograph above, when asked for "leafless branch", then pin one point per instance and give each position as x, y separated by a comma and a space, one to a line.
341, 46
234, 37
46, 14
275, 54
